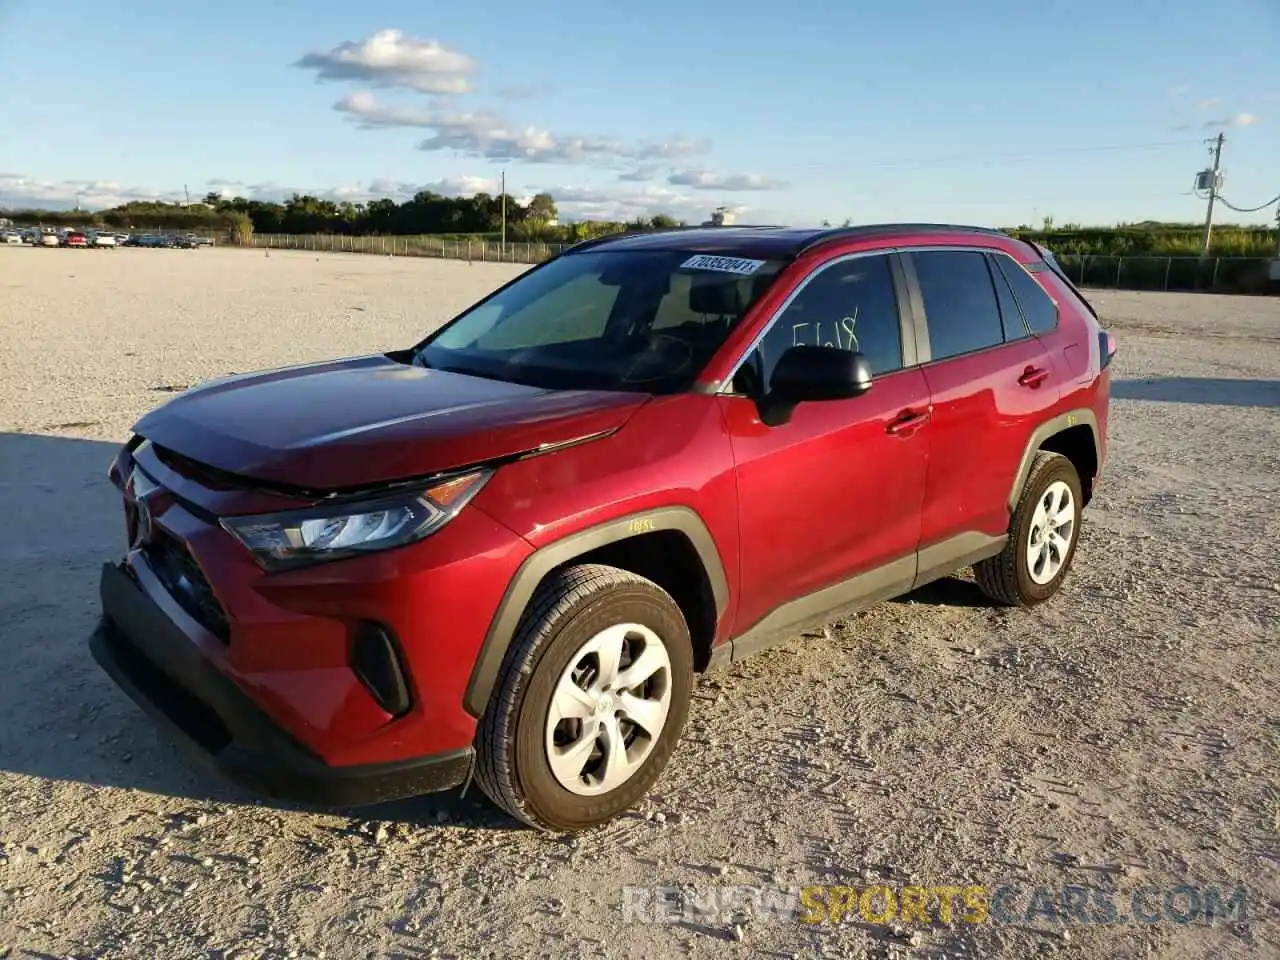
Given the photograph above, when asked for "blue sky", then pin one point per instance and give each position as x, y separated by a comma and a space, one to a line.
991, 111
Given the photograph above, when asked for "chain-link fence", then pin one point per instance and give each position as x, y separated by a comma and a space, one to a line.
1223, 274
412, 246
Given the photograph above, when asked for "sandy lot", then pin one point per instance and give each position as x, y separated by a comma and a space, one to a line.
1125, 737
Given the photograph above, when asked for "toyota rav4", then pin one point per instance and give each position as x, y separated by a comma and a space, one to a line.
505, 552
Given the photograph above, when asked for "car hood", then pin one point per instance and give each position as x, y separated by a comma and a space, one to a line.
351, 423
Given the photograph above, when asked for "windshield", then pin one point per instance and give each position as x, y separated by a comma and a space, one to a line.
639, 320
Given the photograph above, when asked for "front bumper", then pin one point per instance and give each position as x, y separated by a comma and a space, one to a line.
157, 664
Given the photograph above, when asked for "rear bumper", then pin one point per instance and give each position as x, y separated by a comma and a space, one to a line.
149, 656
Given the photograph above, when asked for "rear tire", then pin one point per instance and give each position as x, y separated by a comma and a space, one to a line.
590, 700
1043, 533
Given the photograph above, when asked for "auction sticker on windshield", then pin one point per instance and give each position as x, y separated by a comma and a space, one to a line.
705, 261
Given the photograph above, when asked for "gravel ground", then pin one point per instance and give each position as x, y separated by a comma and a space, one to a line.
1125, 736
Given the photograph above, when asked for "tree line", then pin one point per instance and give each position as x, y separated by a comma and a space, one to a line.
238, 218
1151, 239
425, 213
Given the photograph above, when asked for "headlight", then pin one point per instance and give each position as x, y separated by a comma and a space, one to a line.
279, 541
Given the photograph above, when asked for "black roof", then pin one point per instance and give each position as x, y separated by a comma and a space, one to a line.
764, 241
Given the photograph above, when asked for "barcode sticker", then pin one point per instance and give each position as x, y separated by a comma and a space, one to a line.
737, 265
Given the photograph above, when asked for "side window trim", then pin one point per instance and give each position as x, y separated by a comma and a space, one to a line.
1001, 280
907, 326
1057, 307
726, 386
924, 349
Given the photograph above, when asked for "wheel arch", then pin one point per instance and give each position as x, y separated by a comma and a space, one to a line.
669, 545
1073, 434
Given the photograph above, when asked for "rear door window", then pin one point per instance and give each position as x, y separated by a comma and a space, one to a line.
960, 305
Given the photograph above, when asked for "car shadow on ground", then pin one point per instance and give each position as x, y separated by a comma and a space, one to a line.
61, 717
1223, 391
948, 592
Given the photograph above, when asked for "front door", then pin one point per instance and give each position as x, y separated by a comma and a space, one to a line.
835, 491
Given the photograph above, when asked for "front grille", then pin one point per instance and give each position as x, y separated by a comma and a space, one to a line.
186, 583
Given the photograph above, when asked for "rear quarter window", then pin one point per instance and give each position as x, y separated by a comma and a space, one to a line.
1037, 306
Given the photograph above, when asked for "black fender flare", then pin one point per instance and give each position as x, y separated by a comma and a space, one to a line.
519, 592
1082, 416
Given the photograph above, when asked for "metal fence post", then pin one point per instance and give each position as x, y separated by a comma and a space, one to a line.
1119, 267
1168, 267
1217, 261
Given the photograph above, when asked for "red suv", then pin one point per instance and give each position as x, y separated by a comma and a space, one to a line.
507, 549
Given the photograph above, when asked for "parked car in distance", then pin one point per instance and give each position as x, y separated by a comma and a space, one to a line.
100, 238
48, 239
11, 238
506, 549
74, 238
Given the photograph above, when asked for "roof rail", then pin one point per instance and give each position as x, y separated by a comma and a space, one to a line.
595, 241
872, 229
610, 237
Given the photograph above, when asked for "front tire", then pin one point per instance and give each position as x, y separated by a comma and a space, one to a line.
1043, 533
590, 701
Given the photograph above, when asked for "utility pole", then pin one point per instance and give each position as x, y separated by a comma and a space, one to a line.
1217, 142
504, 210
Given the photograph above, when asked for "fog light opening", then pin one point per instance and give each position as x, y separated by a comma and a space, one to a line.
375, 660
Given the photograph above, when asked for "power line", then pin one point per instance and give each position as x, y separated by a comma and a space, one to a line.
1232, 206
986, 159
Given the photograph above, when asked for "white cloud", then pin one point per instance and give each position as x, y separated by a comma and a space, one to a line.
18, 192
703, 180
573, 202
463, 186
598, 203
486, 135
398, 190
1209, 102
1239, 120
525, 91
389, 58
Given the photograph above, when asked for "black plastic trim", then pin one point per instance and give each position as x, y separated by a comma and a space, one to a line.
162, 669
506, 618
377, 662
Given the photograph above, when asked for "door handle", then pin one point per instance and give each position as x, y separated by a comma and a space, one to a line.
907, 423
1033, 377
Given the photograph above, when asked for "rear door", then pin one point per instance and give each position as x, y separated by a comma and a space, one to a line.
990, 382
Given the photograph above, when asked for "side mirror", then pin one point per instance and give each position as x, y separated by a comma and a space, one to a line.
807, 373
